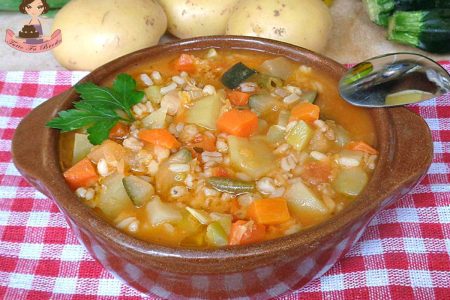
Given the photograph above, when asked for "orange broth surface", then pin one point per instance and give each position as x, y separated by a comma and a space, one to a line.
189, 232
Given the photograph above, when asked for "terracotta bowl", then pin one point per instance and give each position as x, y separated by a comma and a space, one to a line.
261, 270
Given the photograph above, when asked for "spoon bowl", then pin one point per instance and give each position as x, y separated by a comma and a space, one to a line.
394, 79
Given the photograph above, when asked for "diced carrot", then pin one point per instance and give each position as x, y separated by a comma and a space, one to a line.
361, 146
234, 206
271, 211
316, 172
238, 98
82, 174
161, 137
305, 111
220, 172
185, 63
246, 232
238, 122
205, 141
119, 131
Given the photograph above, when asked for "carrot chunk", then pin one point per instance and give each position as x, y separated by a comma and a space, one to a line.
82, 174
271, 211
220, 172
161, 137
246, 232
238, 122
119, 131
238, 98
185, 63
361, 146
305, 111
205, 141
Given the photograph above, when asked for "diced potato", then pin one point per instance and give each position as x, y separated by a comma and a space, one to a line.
81, 147
113, 197
108, 150
358, 155
263, 104
171, 102
153, 94
139, 190
216, 235
156, 119
224, 219
342, 136
188, 225
199, 215
299, 136
205, 112
251, 156
164, 179
351, 181
275, 134
279, 67
305, 205
159, 212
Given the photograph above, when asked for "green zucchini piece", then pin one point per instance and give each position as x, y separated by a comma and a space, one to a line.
427, 30
113, 198
299, 136
216, 235
269, 82
81, 147
309, 96
236, 75
224, 219
380, 10
139, 190
229, 185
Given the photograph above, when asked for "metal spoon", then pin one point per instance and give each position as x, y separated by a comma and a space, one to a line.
394, 79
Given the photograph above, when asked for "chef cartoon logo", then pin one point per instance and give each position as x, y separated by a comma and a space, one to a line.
31, 38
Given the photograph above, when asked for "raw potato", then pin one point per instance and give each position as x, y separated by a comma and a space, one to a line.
305, 23
196, 18
96, 32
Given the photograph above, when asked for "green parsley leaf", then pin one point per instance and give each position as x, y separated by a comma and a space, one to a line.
100, 108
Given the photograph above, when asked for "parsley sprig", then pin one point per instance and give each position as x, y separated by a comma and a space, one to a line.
100, 108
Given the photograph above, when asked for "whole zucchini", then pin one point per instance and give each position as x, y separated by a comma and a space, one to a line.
380, 10
13, 5
428, 30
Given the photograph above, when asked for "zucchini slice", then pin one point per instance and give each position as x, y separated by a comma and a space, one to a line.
139, 190
236, 75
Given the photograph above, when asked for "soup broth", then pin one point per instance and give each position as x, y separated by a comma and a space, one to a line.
227, 148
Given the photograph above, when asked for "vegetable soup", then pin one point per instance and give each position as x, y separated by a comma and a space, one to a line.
214, 148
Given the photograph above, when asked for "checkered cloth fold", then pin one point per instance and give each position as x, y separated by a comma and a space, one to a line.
404, 253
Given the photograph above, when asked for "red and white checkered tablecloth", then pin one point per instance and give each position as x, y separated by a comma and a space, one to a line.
404, 253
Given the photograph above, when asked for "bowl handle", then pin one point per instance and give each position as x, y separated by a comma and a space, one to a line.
413, 154
31, 145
